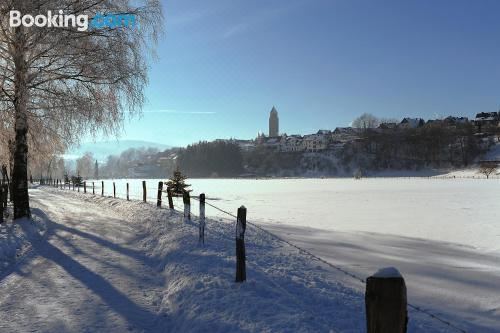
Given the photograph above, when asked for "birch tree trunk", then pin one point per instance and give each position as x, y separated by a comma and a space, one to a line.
20, 172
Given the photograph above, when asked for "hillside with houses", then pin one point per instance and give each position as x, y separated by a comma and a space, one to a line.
369, 146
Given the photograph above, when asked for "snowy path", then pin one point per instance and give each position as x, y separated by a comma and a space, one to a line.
84, 276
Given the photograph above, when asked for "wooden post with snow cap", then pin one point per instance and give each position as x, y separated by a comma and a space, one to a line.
170, 200
202, 218
186, 199
84, 187
128, 198
114, 190
160, 189
102, 188
144, 194
385, 301
241, 225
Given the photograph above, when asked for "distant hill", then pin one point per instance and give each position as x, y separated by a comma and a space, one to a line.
103, 149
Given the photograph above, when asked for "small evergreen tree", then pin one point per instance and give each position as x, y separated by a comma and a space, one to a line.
77, 180
177, 183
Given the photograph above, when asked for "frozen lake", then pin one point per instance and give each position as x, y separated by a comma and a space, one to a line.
463, 211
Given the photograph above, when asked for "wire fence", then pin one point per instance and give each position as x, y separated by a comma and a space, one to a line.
301, 250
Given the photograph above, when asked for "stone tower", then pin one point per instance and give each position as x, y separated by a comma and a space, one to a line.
273, 123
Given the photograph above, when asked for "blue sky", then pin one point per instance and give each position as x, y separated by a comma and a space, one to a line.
223, 64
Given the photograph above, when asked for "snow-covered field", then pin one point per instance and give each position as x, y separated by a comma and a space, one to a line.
128, 262
442, 234
107, 265
462, 211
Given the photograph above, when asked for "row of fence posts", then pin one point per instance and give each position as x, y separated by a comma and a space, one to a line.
385, 296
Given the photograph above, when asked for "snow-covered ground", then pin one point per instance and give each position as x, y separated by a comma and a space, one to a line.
442, 234
107, 265
16, 239
462, 211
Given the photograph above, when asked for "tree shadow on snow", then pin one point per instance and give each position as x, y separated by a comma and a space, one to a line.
134, 314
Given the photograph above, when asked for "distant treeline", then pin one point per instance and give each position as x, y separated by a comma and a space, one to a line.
211, 159
414, 148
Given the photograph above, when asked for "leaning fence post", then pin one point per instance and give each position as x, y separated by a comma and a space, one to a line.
160, 189
385, 301
170, 200
241, 225
187, 206
1, 204
84, 187
114, 190
127, 193
202, 218
144, 194
102, 188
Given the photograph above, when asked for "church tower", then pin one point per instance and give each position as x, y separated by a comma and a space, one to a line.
273, 123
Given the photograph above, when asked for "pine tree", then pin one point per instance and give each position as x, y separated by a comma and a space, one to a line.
177, 183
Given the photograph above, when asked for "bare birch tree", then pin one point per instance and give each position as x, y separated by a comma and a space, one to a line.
69, 82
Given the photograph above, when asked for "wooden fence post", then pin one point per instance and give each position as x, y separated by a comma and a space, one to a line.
385, 301
78, 186
202, 218
6, 194
84, 187
73, 184
2, 208
186, 199
241, 225
128, 192
170, 200
102, 188
114, 190
93, 188
144, 194
160, 189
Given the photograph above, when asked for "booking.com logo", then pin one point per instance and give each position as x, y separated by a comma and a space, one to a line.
80, 22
